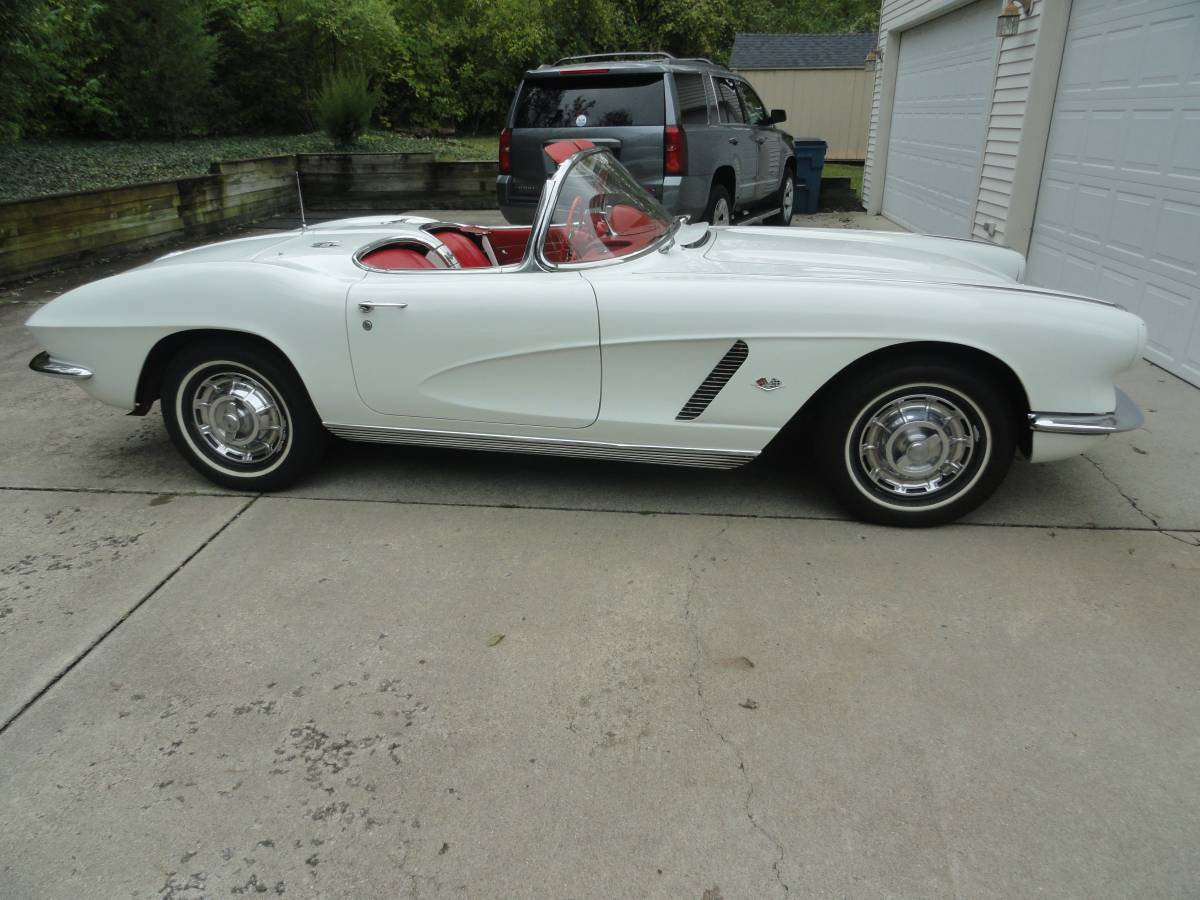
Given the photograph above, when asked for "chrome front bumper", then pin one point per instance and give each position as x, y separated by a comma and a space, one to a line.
1126, 417
56, 368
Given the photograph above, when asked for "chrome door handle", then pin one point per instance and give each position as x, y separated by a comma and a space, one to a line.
367, 305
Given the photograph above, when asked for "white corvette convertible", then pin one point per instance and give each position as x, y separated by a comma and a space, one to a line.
912, 368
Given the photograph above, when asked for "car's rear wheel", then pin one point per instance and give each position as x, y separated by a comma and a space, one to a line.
719, 210
916, 444
785, 199
240, 415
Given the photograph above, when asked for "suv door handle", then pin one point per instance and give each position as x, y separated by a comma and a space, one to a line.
733, 140
367, 305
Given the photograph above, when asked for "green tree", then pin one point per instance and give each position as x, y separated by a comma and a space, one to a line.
345, 103
274, 54
157, 73
169, 68
22, 67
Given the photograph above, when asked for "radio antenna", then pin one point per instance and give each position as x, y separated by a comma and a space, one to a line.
300, 195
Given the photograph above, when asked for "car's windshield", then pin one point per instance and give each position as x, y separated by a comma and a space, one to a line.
602, 213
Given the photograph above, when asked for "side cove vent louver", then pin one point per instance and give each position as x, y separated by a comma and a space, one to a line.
717, 379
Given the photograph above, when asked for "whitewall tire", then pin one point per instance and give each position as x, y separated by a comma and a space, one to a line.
240, 415
916, 444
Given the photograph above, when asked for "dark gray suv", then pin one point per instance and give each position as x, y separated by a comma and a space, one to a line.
694, 134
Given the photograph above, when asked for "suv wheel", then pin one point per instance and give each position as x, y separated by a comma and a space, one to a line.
784, 199
719, 208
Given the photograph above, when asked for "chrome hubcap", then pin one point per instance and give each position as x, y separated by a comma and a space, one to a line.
788, 195
916, 445
239, 418
721, 213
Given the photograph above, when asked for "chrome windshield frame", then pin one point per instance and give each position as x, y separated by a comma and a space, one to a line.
545, 213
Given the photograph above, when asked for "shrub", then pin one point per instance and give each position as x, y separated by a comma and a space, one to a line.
344, 105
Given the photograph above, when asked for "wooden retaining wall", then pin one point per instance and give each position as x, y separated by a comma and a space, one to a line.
395, 182
46, 233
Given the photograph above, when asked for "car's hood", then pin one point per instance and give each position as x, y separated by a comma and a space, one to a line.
834, 252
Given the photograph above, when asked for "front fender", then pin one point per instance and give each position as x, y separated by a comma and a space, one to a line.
111, 325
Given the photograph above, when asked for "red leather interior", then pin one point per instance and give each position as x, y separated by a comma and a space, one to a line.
509, 244
397, 258
633, 231
556, 249
627, 218
465, 250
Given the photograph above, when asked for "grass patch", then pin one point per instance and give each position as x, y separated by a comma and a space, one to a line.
845, 170
35, 168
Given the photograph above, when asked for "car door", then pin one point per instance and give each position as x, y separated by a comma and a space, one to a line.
765, 141
739, 137
517, 348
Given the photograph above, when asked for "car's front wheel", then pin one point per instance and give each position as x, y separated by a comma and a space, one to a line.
240, 415
916, 444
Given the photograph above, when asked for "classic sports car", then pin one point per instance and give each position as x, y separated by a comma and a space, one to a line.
913, 368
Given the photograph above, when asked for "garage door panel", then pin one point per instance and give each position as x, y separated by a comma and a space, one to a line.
1103, 142
1167, 312
1185, 158
1167, 58
935, 150
1120, 189
1149, 154
1178, 238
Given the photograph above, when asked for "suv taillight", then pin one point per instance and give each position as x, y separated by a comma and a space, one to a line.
674, 150
506, 151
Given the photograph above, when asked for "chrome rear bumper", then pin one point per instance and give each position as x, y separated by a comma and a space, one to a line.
56, 368
1126, 417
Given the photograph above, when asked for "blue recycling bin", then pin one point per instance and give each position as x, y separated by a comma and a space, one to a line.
810, 162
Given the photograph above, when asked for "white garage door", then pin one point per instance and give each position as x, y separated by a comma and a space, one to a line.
1118, 213
943, 87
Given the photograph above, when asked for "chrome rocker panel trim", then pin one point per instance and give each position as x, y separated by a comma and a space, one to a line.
1126, 417
57, 368
667, 456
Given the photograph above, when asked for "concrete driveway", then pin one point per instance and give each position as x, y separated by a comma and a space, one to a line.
440, 674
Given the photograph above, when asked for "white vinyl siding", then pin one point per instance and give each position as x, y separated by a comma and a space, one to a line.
1009, 99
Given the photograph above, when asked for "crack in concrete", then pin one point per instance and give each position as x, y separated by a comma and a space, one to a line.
1133, 503
1176, 537
609, 510
70, 666
689, 618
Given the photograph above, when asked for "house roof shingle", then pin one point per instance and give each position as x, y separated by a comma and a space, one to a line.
800, 51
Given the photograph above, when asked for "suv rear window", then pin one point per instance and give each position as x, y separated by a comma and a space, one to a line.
590, 101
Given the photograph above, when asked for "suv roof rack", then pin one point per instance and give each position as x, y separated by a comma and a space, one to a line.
592, 57
634, 56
